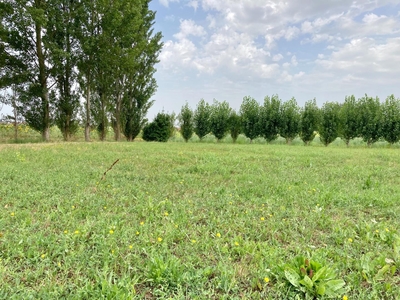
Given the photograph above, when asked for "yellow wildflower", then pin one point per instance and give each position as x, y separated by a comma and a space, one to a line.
159, 239
350, 240
266, 279
218, 235
111, 231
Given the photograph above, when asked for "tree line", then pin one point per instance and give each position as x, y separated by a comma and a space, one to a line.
367, 118
53, 53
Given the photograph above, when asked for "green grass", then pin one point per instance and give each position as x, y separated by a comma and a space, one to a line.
195, 220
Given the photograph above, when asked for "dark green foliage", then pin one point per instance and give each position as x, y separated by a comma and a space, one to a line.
109, 48
62, 42
186, 122
370, 119
330, 122
250, 114
160, 129
270, 118
134, 114
235, 125
220, 114
349, 119
65, 118
290, 120
391, 120
309, 121
202, 119
24, 43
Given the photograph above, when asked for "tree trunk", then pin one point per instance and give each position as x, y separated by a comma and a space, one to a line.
87, 125
67, 134
103, 119
46, 134
43, 82
15, 112
117, 131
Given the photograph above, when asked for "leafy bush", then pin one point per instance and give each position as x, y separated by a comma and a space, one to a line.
160, 129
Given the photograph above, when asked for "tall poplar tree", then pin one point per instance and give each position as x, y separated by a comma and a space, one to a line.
62, 43
140, 84
25, 22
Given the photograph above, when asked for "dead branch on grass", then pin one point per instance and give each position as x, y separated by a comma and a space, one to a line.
105, 173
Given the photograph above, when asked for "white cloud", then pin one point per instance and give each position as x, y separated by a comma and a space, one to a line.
294, 60
277, 57
166, 2
211, 21
365, 57
320, 48
291, 33
176, 55
189, 27
194, 4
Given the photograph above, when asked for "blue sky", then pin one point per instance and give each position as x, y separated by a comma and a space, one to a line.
228, 49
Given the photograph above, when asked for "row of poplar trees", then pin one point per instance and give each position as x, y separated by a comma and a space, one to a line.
55, 52
367, 118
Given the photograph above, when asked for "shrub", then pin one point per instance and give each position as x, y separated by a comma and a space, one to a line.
160, 129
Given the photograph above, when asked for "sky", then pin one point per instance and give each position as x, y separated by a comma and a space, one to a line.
228, 49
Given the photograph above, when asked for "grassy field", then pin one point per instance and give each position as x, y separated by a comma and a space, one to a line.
196, 220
